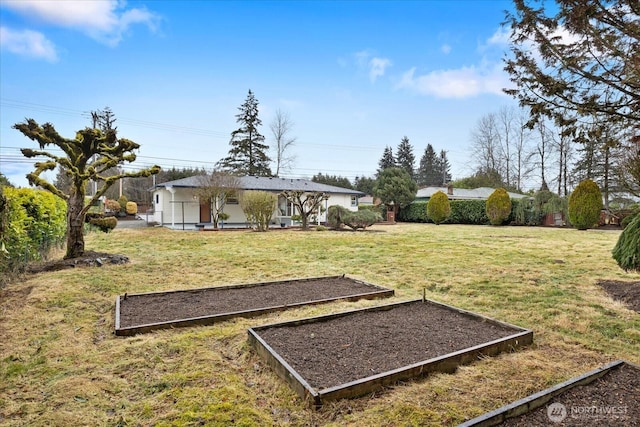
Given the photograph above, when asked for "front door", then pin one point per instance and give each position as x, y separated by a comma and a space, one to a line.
205, 211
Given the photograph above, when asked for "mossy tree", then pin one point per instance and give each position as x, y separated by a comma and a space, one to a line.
110, 152
627, 250
498, 207
585, 204
438, 208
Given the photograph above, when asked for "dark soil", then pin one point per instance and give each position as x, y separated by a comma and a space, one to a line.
344, 349
618, 392
89, 259
144, 309
626, 292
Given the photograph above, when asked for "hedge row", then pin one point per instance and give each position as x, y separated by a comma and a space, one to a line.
473, 212
32, 221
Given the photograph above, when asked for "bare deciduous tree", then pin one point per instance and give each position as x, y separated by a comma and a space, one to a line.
215, 189
281, 127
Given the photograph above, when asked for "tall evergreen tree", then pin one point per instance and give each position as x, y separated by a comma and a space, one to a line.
248, 153
387, 160
405, 158
444, 168
365, 184
429, 173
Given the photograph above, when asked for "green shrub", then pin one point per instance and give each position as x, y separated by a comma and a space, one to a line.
339, 216
462, 212
131, 208
258, 207
585, 204
104, 224
361, 219
626, 220
122, 201
112, 205
627, 249
523, 212
32, 222
438, 208
335, 215
498, 207
468, 212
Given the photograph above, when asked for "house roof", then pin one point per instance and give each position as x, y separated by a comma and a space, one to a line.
266, 184
481, 193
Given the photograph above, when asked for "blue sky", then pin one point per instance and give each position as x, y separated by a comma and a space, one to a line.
354, 76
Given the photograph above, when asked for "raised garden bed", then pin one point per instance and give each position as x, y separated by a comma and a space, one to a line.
139, 313
356, 352
606, 396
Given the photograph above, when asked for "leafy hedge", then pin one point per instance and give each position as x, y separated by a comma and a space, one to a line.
33, 221
523, 212
339, 216
462, 212
585, 204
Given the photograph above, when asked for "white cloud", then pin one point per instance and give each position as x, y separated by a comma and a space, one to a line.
105, 20
501, 37
377, 67
445, 48
27, 43
456, 83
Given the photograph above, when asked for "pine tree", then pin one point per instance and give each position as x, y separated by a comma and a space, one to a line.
405, 158
248, 153
444, 168
387, 160
429, 173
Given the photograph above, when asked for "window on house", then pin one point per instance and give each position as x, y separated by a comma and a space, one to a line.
232, 200
157, 199
354, 201
284, 207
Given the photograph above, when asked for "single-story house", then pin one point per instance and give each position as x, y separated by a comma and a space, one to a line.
176, 203
481, 193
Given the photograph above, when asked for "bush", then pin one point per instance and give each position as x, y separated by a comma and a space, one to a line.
361, 219
32, 222
104, 224
336, 215
462, 212
112, 205
131, 208
438, 208
468, 212
627, 219
585, 204
627, 249
339, 216
122, 201
498, 206
523, 212
258, 207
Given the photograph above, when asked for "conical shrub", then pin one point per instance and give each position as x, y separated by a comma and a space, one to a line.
585, 204
627, 250
498, 207
438, 208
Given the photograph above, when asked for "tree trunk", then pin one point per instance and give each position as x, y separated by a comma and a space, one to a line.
75, 226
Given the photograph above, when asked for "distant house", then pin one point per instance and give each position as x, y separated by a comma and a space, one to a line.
176, 203
482, 193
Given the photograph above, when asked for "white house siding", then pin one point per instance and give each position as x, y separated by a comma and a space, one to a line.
169, 214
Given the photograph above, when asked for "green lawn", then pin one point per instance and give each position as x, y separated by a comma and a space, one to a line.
60, 363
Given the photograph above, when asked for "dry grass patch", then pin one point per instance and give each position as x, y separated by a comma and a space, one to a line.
60, 363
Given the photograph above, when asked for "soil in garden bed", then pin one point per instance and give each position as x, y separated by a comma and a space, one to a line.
144, 309
617, 392
626, 292
343, 349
